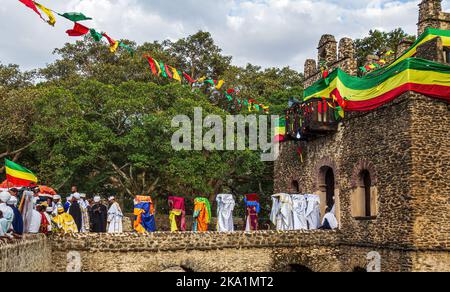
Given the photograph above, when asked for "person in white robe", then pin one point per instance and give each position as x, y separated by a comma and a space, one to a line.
313, 211
299, 212
281, 215
115, 217
330, 221
225, 208
35, 223
8, 212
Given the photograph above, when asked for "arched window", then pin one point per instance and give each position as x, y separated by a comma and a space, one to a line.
364, 197
330, 187
447, 54
295, 187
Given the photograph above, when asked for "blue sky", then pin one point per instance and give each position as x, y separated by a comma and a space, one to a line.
263, 32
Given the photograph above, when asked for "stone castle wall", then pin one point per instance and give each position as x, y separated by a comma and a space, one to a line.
431, 15
342, 56
32, 254
406, 148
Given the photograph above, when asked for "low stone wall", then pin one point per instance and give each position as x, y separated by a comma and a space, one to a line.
263, 251
30, 254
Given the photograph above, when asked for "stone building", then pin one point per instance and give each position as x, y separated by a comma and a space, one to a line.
387, 170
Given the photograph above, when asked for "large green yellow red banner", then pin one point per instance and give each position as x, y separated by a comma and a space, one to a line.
384, 85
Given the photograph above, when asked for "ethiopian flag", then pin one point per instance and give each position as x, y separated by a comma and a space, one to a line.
19, 175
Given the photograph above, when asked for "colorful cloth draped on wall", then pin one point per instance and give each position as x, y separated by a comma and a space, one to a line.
429, 34
144, 215
177, 215
202, 214
313, 211
382, 86
300, 205
252, 211
281, 215
225, 208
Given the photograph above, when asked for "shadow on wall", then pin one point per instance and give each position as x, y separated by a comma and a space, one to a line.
295, 268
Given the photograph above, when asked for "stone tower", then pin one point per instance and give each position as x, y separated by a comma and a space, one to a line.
431, 15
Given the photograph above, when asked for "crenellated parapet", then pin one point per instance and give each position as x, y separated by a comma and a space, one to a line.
432, 16
333, 55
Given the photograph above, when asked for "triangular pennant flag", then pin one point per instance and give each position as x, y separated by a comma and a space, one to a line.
220, 84
163, 70
78, 30
75, 16
152, 64
30, 4
114, 47
158, 66
128, 48
175, 74
169, 74
188, 78
363, 69
110, 40
95, 35
51, 17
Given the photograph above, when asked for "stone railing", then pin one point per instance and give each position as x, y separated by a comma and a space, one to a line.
166, 241
30, 254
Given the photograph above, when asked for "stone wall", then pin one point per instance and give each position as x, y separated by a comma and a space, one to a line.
431, 15
430, 178
405, 146
262, 251
31, 254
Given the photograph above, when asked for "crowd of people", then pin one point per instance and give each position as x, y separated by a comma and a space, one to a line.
31, 212
23, 212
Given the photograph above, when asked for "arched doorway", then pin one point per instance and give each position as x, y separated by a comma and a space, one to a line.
330, 187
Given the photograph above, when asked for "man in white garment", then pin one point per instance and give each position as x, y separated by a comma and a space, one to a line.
313, 211
299, 205
330, 221
35, 222
8, 212
225, 208
281, 215
115, 217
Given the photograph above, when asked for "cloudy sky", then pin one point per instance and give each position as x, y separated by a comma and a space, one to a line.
264, 32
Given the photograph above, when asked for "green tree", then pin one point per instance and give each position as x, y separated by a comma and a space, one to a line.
379, 42
199, 55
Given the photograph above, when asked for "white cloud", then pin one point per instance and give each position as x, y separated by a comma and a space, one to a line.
263, 32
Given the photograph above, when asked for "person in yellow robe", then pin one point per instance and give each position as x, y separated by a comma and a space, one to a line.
64, 222
202, 214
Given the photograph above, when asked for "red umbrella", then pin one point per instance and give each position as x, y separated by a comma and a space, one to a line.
45, 191
8, 185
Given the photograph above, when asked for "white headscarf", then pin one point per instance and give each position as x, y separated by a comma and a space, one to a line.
12, 201
97, 199
77, 196
5, 197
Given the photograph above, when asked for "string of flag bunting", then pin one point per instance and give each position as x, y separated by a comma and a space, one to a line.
158, 68
387, 58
